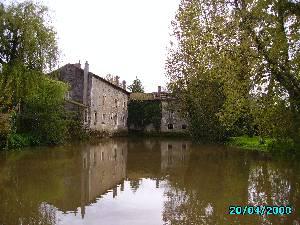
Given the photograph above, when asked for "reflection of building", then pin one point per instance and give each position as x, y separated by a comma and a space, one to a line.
103, 168
90, 173
174, 154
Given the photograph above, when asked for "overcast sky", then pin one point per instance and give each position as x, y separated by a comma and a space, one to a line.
127, 38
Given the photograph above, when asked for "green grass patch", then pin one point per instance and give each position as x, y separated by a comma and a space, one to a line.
252, 143
266, 144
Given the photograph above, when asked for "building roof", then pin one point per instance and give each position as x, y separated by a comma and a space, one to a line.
161, 96
141, 96
99, 78
109, 83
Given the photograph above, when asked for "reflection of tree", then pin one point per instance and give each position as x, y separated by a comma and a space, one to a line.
206, 189
143, 159
185, 208
217, 179
67, 178
274, 183
25, 183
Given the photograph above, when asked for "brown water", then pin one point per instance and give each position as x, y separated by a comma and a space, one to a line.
143, 181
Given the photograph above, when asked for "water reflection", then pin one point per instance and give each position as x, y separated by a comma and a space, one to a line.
143, 181
103, 168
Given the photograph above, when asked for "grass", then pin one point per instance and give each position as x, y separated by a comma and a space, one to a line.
267, 145
252, 143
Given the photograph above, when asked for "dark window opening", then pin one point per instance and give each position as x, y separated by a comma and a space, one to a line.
84, 163
95, 122
183, 146
103, 118
184, 126
85, 116
115, 154
170, 147
170, 126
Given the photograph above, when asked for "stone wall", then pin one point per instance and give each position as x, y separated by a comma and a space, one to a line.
106, 104
108, 108
171, 120
73, 76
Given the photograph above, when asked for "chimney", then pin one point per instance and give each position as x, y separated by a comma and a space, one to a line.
124, 84
78, 65
159, 90
117, 80
85, 82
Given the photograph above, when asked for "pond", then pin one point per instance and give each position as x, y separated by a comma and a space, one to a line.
151, 181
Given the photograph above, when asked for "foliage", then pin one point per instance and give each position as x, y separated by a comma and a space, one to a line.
76, 130
251, 49
42, 114
136, 86
263, 144
20, 140
202, 108
143, 113
251, 143
28, 47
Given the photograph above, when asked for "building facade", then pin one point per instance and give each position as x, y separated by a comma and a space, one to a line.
102, 103
171, 119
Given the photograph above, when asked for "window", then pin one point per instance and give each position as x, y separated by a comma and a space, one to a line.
183, 146
170, 126
116, 119
115, 154
124, 105
84, 163
104, 100
170, 147
183, 126
102, 155
85, 116
116, 103
95, 121
103, 118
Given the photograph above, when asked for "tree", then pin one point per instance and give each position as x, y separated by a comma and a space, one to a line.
136, 86
43, 115
28, 47
250, 48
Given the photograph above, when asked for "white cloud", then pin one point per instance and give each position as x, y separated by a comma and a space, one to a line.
127, 38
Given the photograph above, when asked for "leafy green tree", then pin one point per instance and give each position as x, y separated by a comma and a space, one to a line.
251, 49
43, 115
28, 47
136, 86
143, 113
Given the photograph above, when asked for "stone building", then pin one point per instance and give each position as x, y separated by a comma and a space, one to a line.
102, 103
171, 118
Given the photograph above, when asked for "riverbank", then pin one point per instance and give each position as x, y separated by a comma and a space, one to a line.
258, 144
